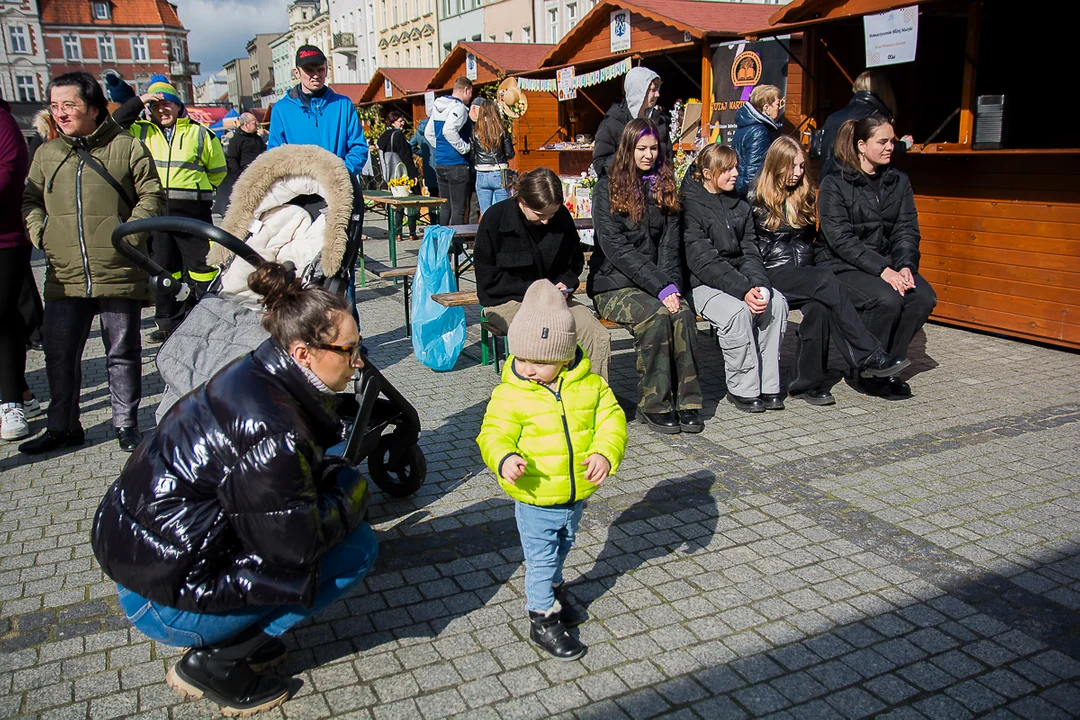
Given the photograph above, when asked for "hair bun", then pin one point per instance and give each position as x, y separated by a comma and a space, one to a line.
276, 283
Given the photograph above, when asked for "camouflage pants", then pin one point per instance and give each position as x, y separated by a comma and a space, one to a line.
665, 345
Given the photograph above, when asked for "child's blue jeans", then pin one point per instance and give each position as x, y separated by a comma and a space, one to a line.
547, 534
340, 568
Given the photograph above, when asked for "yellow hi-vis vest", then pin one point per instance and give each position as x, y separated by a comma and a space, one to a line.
193, 160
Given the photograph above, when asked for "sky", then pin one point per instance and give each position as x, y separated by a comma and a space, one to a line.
219, 30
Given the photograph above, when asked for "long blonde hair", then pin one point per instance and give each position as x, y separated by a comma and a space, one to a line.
489, 128
794, 206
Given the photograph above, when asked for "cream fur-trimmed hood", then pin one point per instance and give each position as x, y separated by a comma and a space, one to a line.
273, 179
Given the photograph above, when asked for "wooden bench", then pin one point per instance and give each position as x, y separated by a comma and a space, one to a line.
406, 274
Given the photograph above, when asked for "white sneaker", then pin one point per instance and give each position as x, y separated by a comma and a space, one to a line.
13, 422
31, 408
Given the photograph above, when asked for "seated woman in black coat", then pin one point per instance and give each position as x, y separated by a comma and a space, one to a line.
528, 237
870, 239
785, 217
634, 277
230, 525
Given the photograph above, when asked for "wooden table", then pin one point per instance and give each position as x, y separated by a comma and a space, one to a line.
385, 202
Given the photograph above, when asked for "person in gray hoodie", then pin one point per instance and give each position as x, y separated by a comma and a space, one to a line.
641, 90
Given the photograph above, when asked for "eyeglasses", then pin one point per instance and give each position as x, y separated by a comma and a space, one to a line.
68, 107
353, 351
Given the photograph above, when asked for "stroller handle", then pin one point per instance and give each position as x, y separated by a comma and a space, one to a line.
163, 279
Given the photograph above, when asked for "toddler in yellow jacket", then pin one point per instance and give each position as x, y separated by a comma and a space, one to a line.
553, 431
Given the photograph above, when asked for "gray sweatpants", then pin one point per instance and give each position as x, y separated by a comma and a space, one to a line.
67, 325
750, 343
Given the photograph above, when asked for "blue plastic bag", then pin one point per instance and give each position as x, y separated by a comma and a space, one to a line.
438, 332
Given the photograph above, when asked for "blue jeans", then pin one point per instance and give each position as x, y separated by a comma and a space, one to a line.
490, 189
547, 534
339, 569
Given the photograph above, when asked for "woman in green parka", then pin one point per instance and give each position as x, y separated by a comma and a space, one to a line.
71, 209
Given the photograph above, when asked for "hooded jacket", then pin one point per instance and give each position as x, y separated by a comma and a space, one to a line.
71, 211
635, 86
862, 104
509, 256
867, 225
555, 429
450, 132
326, 119
719, 240
14, 164
754, 133
629, 254
785, 245
231, 502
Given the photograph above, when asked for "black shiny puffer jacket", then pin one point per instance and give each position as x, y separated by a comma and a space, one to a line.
785, 245
231, 502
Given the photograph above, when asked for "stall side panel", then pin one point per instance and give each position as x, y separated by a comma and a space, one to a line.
647, 35
540, 125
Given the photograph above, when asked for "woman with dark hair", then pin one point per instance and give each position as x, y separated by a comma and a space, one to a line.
396, 157
231, 524
872, 95
635, 276
492, 150
730, 286
85, 182
528, 237
870, 239
785, 219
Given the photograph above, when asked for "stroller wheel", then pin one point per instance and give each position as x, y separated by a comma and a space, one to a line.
401, 481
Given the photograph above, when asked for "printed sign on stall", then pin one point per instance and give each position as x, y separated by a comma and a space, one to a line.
388, 89
620, 30
564, 79
470, 66
429, 103
891, 36
739, 67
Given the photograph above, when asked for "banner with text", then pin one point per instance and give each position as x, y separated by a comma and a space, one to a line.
891, 36
578, 81
739, 67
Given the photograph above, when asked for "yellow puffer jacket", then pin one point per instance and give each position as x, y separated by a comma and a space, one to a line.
192, 160
555, 429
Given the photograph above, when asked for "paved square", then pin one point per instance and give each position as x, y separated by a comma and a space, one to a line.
917, 559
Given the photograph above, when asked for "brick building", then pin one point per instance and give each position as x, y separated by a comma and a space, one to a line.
137, 38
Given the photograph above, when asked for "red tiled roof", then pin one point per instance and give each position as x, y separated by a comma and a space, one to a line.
127, 12
353, 91
410, 80
712, 17
511, 57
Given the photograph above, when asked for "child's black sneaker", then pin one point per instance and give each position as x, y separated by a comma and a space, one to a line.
549, 633
570, 616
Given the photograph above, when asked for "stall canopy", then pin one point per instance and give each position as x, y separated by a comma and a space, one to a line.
227, 122
494, 61
799, 14
395, 84
353, 91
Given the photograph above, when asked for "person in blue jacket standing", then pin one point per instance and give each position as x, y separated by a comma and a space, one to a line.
313, 114
757, 125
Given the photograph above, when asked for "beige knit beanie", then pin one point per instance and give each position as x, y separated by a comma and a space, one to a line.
543, 329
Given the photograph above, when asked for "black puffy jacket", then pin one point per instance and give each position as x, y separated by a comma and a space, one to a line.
610, 132
645, 254
719, 240
785, 245
862, 104
867, 225
754, 134
231, 503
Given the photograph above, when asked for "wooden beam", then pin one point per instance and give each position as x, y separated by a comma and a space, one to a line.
971, 52
705, 130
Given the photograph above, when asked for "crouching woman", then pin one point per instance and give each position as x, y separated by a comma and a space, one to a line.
230, 524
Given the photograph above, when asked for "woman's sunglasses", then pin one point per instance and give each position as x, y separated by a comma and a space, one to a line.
353, 351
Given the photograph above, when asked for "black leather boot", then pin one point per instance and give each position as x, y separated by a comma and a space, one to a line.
270, 655
550, 634
663, 422
750, 405
815, 396
128, 438
569, 614
881, 364
773, 401
690, 421
51, 440
221, 673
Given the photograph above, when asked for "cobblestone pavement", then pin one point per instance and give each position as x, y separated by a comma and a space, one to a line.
914, 559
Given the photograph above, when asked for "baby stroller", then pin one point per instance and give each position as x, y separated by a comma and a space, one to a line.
290, 207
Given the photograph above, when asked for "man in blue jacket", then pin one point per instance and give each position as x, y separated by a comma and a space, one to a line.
313, 114
450, 133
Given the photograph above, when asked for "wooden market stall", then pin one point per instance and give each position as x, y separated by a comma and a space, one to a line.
671, 37
400, 89
1000, 221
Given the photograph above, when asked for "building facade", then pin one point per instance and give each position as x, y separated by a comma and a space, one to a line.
238, 76
309, 24
261, 67
283, 61
354, 39
24, 72
210, 90
137, 38
460, 20
408, 34
509, 21
555, 18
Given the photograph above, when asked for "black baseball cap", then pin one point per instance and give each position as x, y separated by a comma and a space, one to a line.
309, 55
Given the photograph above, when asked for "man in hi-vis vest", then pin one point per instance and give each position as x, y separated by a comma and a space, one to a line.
191, 164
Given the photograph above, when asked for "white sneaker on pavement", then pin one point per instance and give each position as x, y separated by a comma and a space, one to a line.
31, 408
13, 422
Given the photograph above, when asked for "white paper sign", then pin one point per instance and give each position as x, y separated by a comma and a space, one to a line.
388, 89
470, 66
565, 81
620, 30
891, 37
429, 103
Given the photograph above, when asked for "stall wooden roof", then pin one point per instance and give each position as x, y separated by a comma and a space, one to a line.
800, 14
403, 81
494, 61
661, 23
353, 91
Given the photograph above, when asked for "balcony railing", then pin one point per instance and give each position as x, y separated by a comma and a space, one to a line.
344, 41
184, 68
